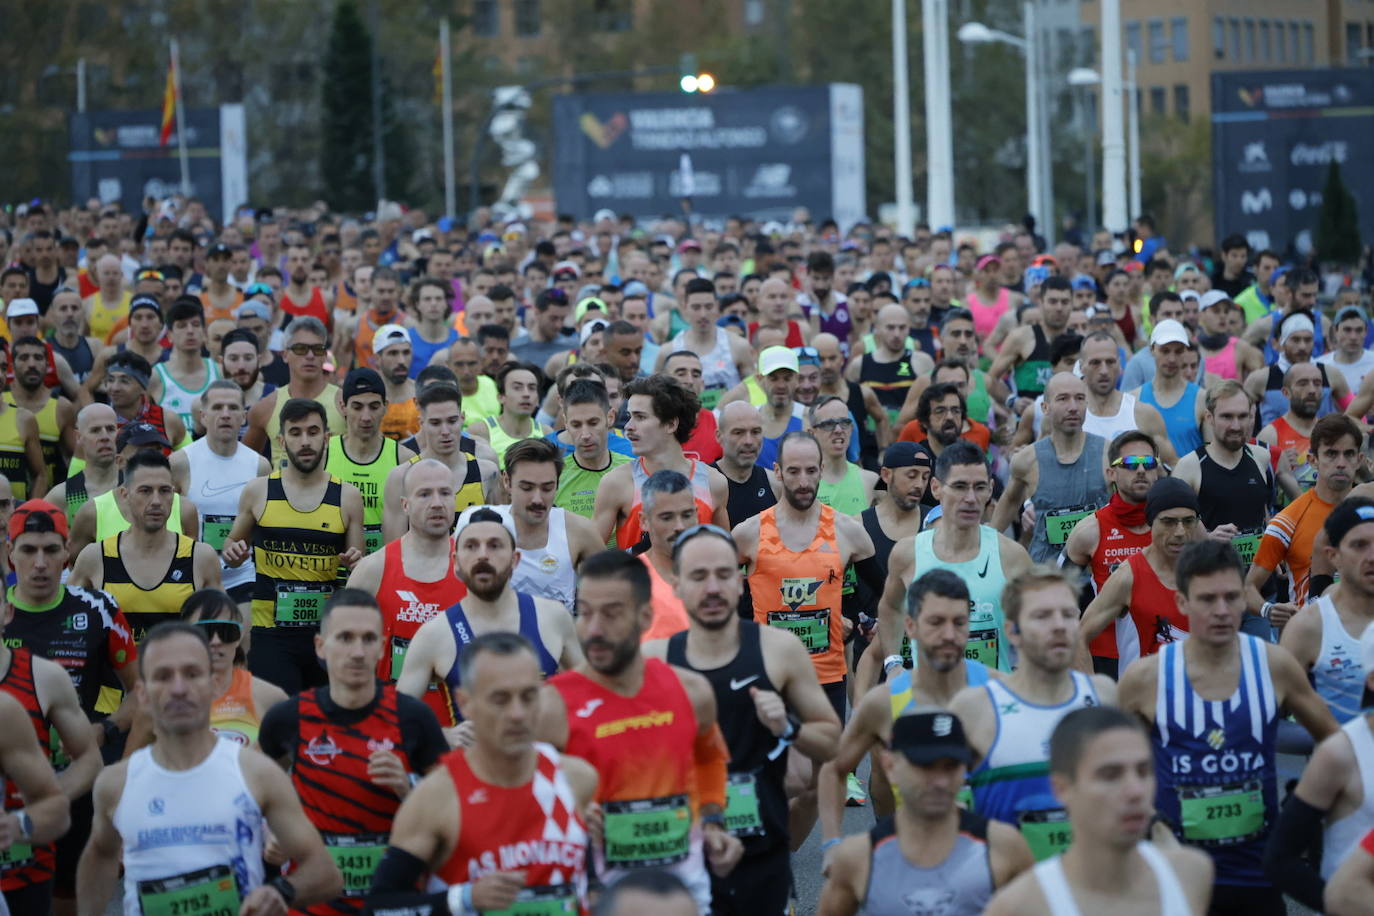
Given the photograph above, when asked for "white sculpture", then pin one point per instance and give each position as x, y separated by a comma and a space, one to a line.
512, 104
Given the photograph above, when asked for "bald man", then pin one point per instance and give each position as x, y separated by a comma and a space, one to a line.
894, 364
96, 428
774, 300
860, 399
1063, 474
752, 487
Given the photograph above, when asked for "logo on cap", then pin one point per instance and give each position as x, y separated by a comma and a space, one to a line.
942, 725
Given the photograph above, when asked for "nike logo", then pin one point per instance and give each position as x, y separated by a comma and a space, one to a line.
207, 490
984, 573
737, 684
586, 711
478, 797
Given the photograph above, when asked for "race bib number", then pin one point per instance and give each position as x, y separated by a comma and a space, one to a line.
546, 900
742, 805
357, 857
982, 647
811, 627
1222, 815
1059, 522
1246, 545
710, 397
399, 647
209, 892
216, 529
647, 833
1047, 833
16, 856
301, 604
372, 538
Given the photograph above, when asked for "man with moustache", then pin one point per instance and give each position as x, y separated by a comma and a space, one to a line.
767, 698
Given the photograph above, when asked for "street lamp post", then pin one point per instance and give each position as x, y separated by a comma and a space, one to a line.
1081, 78
901, 123
939, 133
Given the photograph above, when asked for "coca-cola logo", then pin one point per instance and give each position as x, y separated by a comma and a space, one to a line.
1319, 153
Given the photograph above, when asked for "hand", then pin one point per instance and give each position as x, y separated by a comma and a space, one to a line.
1020, 405
351, 557
848, 626
235, 552
497, 891
98, 734
1280, 614
460, 735
596, 822
386, 770
723, 851
772, 712
1028, 516
272, 853
1223, 532
263, 901
11, 831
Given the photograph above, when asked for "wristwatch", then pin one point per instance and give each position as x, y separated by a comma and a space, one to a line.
717, 818
1265, 608
893, 661
793, 726
25, 825
285, 888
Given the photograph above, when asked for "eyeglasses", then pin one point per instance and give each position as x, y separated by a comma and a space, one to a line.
226, 631
827, 426
1136, 462
301, 349
1187, 521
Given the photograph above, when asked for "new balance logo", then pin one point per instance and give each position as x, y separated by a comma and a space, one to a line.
586, 711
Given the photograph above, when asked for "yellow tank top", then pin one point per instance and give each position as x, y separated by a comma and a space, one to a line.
50, 437
102, 317
109, 521
370, 479
234, 715
329, 400
296, 555
146, 607
469, 492
14, 463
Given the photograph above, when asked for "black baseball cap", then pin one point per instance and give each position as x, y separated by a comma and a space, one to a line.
140, 432
907, 454
219, 250
363, 381
925, 737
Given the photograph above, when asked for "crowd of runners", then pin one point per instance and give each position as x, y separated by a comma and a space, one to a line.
405, 566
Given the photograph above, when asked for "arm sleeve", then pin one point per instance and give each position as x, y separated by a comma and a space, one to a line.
710, 755
277, 734
871, 574
394, 886
120, 648
1286, 856
424, 740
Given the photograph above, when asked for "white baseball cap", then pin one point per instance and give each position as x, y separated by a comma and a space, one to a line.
1169, 331
1190, 294
775, 358
1210, 298
387, 335
18, 308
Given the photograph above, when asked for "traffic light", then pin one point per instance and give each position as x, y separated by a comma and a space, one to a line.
692, 80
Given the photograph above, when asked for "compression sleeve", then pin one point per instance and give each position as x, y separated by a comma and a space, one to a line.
710, 755
393, 888
1297, 831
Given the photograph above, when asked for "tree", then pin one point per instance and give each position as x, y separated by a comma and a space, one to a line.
1338, 226
346, 153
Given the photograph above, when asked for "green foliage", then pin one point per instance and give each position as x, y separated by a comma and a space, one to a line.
1176, 177
346, 93
1338, 226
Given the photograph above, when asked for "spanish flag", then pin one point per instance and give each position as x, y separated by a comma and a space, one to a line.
169, 101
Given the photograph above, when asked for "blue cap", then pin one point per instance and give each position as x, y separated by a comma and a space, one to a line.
445, 224
1083, 281
724, 321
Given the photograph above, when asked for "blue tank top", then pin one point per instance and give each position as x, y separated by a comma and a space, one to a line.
1215, 762
899, 685
462, 635
423, 351
1272, 355
1180, 420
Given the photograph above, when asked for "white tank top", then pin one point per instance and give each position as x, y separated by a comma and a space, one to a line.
718, 369
216, 484
1111, 427
544, 571
1337, 674
179, 399
1059, 896
184, 822
1340, 837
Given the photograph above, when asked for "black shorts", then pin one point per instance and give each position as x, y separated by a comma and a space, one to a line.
71, 844
1246, 900
242, 593
758, 886
33, 899
838, 697
1107, 666
286, 657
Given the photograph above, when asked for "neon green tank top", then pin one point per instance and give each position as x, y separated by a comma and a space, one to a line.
370, 479
847, 496
109, 521
577, 485
483, 403
502, 440
986, 637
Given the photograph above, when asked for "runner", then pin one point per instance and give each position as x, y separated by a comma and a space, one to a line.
67, 319
752, 487
213, 471
661, 416
517, 385
1224, 355
55, 415
684, 367
844, 487
1101, 542
650, 731
179, 380
967, 547
1110, 411
363, 456
1100, 769
353, 747
305, 348
552, 542
936, 621
1351, 354
932, 855
1302, 389
905, 472
1295, 342
1178, 400
296, 551
144, 340
431, 333
1216, 774
299, 297
726, 359
358, 338
1139, 599
1289, 537
186, 817
391, 345
1026, 351
240, 361
219, 298
1232, 476
480, 399
474, 480
485, 558
892, 366
669, 508
413, 576
502, 822
1063, 475
587, 419
21, 451
783, 707
1009, 721
1325, 636
1348, 893
172, 564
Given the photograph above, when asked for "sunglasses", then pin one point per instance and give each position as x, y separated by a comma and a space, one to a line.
918, 283
301, 349
226, 631
806, 352
826, 426
702, 528
150, 275
1137, 462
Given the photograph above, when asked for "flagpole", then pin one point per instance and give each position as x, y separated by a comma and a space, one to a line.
445, 75
181, 122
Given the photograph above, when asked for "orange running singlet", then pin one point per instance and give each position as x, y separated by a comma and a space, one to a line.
234, 715
632, 529
402, 420
534, 828
807, 604
406, 604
